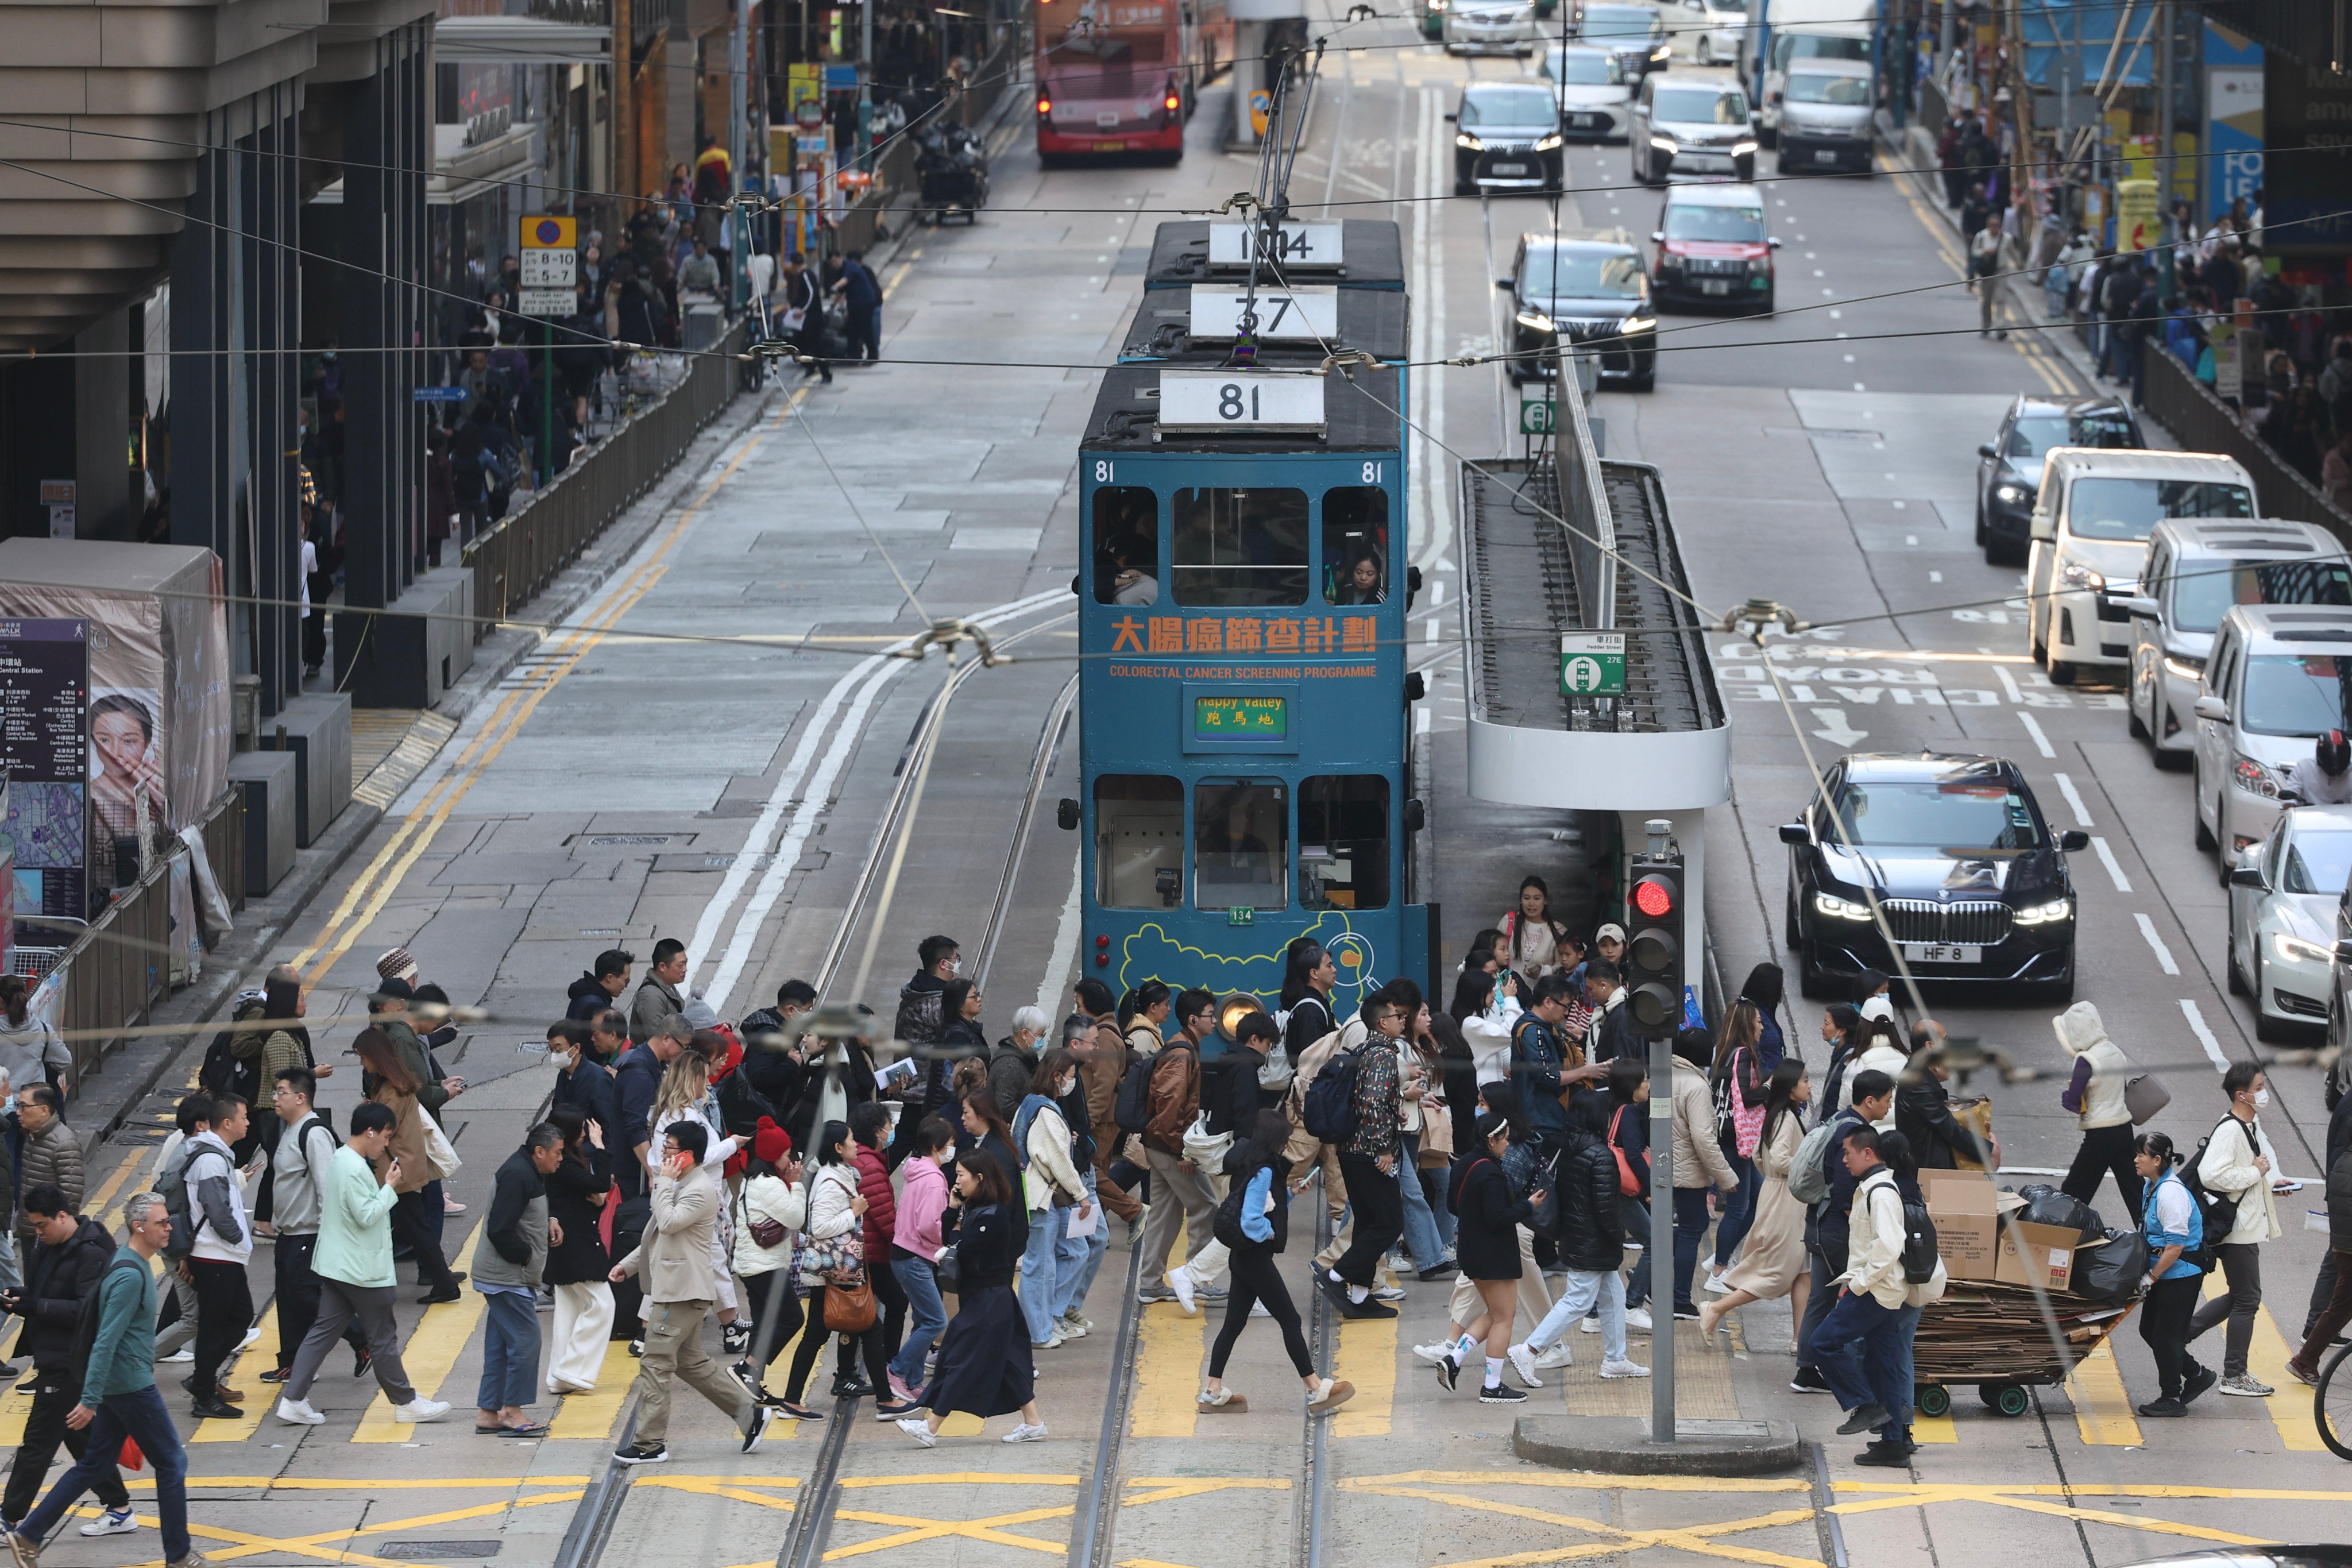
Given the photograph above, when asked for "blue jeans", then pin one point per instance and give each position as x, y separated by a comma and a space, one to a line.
1581, 1292
139, 1414
1863, 1350
1038, 1271
510, 1350
927, 1317
1077, 1258
1422, 1242
1690, 1229
12, 1278
1738, 1213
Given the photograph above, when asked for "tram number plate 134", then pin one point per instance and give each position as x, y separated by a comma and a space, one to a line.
1193, 400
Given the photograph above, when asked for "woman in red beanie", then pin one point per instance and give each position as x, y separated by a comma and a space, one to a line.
771, 1209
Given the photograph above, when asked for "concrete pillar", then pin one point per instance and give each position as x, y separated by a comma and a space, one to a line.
371, 563
268, 191
1248, 76
105, 504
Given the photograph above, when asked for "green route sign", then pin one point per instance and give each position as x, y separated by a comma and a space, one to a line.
1592, 664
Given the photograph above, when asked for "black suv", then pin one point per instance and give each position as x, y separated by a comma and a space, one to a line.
2008, 466
1583, 289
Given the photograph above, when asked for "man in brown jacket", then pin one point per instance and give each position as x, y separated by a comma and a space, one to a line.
1178, 1188
1102, 1064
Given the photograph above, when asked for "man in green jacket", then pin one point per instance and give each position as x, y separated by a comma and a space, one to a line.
118, 1398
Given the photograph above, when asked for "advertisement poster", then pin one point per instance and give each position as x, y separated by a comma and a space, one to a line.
46, 755
2233, 118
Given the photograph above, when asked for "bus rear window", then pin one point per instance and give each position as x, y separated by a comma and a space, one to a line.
1125, 545
1138, 841
1240, 547
1241, 844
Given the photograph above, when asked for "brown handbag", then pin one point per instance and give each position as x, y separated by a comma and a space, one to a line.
848, 1304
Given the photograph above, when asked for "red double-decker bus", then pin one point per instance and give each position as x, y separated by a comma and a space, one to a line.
1122, 76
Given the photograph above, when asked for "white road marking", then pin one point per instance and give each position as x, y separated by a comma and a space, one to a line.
2074, 799
1934, 576
2197, 1027
2040, 742
2008, 685
2163, 953
2114, 871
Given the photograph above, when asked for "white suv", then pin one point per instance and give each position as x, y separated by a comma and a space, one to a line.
2280, 677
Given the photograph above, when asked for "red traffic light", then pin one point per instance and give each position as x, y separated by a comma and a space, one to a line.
1653, 897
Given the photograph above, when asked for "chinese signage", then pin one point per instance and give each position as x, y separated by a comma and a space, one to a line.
1258, 718
45, 752
1286, 634
1592, 664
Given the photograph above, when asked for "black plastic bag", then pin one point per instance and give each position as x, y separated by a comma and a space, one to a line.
2056, 1209
2111, 1271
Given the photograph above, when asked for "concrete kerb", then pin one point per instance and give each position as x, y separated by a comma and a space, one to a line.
1621, 1447
240, 962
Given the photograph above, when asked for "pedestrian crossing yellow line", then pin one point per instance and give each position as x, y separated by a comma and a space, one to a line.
430, 1355
245, 1373
1168, 1346
1927, 1428
593, 1416
2289, 1408
2102, 1407
1366, 1356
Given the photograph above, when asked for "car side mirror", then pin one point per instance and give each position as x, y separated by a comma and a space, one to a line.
1795, 833
2248, 876
1065, 813
1452, 119
2213, 708
1657, 236
2074, 838
2343, 953
1987, 451
2140, 609
2044, 528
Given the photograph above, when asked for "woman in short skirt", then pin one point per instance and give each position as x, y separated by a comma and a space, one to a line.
984, 1364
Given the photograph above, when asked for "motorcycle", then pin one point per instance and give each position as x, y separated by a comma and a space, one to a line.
951, 164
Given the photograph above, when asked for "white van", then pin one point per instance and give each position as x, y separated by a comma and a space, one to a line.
1802, 30
2196, 570
2280, 677
2091, 517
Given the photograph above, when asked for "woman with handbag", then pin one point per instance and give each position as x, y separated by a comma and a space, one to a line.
413, 1220
1421, 1112
985, 1367
1774, 1264
1738, 1079
832, 1271
577, 1190
1253, 1221
771, 1209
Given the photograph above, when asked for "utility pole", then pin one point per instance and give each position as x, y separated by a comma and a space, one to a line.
739, 248
624, 117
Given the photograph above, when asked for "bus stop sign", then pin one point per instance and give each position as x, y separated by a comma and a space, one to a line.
1592, 664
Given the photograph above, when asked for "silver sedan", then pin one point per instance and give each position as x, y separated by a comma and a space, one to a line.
2283, 897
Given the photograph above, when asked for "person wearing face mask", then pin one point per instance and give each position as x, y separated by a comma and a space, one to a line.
1053, 1190
2237, 1163
581, 1079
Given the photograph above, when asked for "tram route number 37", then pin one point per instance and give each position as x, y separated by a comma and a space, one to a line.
1222, 400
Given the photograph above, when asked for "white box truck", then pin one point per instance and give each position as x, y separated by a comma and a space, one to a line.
1786, 30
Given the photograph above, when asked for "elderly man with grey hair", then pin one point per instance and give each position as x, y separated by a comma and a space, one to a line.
1012, 1060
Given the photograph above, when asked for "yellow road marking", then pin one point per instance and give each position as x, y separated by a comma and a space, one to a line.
245, 1543
1366, 1356
431, 1353
2267, 1357
1612, 1539
593, 1416
1934, 1428
2103, 1409
1167, 1372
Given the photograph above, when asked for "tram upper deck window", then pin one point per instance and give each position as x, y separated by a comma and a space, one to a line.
1343, 841
1241, 547
1355, 546
1127, 545
1138, 841
1241, 844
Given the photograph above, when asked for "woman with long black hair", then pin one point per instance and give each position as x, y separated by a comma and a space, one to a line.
1259, 1174
984, 1366
579, 1266
836, 1243
1738, 1076
1765, 986
2174, 1228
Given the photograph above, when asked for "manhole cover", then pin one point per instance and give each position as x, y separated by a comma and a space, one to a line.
439, 1550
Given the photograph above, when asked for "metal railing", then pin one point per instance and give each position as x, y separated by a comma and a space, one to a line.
516, 558
2202, 421
1593, 540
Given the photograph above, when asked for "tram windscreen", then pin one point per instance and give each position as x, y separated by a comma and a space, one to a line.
1343, 841
1125, 545
1138, 841
1355, 545
1240, 547
1241, 844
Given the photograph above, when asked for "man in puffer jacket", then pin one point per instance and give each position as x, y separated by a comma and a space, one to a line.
2095, 1095
1591, 1245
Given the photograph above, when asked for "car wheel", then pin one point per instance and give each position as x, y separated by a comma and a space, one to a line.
2062, 673
1811, 983
2205, 839
2174, 761
2137, 725
2035, 644
2230, 961
2010, 554
1984, 539
1642, 381
1790, 921
1705, 52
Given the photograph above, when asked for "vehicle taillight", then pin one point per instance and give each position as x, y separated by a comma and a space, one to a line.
1174, 103
1045, 106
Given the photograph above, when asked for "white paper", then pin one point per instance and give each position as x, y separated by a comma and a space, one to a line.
1085, 1224
901, 1071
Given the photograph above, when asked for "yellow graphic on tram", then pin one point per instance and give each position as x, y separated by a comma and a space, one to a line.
1151, 953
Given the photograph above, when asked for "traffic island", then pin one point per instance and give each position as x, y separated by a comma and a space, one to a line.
1623, 1447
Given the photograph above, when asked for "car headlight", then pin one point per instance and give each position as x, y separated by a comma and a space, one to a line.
1839, 908
1663, 52
1551, 143
2050, 913
2015, 494
2186, 669
2256, 778
2076, 575
2295, 950
1534, 321
1743, 149
1468, 142
1632, 324
1663, 143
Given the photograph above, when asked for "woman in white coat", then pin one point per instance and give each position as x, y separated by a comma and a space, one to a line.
771, 1209
2240, 1163
1485, 1010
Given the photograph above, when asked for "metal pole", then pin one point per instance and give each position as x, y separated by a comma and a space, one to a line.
1662, 1237
625, 129
738, 247
864, 81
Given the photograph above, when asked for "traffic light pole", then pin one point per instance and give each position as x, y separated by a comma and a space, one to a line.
1662, 1237
1654, 958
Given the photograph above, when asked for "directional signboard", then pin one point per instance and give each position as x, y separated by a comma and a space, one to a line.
1592, 664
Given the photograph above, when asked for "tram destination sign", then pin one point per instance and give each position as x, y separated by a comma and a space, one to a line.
1301, 245
1258, 402
1284, 315
1251, 717
1592, 664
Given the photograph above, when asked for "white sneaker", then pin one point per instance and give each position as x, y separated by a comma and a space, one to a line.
1053, 1341
1555, 1356
1523, 1362
1389, 1293
421, 1409
1623, 1369
251, 1335
1637, 1320
919, 1429
112, 1523
1179, 1280
1719, 1284
299, 1413
1589, 1325
1075, 1327
1434, 1354
1025, 1432
185, 1353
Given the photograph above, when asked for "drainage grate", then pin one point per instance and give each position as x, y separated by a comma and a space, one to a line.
438, 1550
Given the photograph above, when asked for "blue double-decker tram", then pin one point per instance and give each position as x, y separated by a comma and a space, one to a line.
1245, 720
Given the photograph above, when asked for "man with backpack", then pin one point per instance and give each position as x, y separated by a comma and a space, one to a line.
1179, 1189
298, 1168
212, 1240
1100, 1069
1818, 1177
69, 1256
2230, 1175
1368, 1133
1537, 1061
1860, 1346
117, 1395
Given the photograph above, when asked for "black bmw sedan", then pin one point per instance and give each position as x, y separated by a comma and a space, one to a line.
1969, 878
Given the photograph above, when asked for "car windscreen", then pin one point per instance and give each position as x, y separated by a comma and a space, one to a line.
1561, 273
2203, 591
1617, 22
2130, 509
2318, 863
1970, 815
1818, 87
2034, 434
1508, 106
1585, 71
1690, 220
1699, 105
2297, 694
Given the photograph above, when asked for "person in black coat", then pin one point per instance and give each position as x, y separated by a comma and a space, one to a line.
984, 1363
1591, 1243
70, 1255
1487, 1245
583, 1081
1923, 1114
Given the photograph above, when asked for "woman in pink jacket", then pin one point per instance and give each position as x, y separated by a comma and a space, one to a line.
915, 1251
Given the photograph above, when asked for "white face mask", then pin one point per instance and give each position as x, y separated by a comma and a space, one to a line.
955, 967
2261, 1098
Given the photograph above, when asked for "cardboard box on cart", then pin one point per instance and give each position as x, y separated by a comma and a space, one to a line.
2039, 1255
1967, 1209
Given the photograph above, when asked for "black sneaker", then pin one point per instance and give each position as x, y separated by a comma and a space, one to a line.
1447, 1372
735, 1338
1862, 1419
1333, 1288
442, 1296
1685, 1313
1502, 1393
2199, 1380
1885, 1456
218, 1410
360, 1361
1439, 1271
2163, 1408
278, 1374
1809, 1380
851, 1388
638, 1348
1368, 1308
633, 1455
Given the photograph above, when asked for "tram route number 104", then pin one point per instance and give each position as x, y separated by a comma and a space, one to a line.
1106, 472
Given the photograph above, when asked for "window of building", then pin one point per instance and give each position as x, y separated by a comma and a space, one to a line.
1241, 844
1241, 547
1138, 841
1127, 545
1355, 545
1343, 841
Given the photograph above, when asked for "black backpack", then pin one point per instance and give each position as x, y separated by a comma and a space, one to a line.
185, 1225
1919, 1241
2219, 1210
1132, 1111
1329, 1108
85, 1326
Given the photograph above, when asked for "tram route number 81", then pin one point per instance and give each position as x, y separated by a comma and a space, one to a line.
1107, 471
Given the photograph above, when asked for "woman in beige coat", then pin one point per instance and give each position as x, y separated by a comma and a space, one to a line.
1773, 1263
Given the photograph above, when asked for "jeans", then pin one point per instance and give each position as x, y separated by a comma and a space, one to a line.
1038, 1291
1422, 1242
510, 1350
2241, 1261
2164, 1325
55, 1394
2106, 1149
1858, 1349
1446, 1222
1690, 1229
927, 1317
1077, 1260
223, 1311
1635, 1216
1579, 1294
12, 1276
1379, 1202
1817, 1306
139, 1414
1738, 1213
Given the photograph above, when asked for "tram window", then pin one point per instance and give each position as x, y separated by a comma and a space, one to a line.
1138, 841
1355, 546
1241, 547
1343, 841
1127, 545
1241, 844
